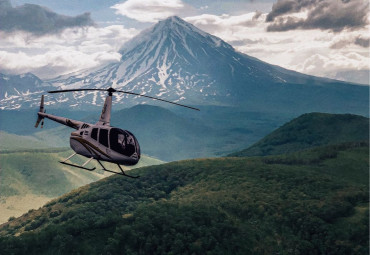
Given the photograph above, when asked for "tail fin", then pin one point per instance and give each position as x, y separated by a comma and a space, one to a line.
42, 110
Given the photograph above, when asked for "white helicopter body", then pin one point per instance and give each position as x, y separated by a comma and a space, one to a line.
100, 141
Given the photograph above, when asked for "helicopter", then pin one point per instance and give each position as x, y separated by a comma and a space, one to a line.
100, 141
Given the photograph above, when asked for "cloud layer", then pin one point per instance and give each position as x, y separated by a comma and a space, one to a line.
37, 19
334, 15
322, 50
150, 10
57, 54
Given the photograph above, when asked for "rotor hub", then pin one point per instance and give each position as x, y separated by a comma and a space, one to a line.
111, 90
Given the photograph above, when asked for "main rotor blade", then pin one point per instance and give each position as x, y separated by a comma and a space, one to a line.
73, 90
112, 90
155, 98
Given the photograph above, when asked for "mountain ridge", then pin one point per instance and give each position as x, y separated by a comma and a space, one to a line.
310, 130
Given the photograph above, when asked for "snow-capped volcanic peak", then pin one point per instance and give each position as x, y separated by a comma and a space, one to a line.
173, 60
163, 61
176, 30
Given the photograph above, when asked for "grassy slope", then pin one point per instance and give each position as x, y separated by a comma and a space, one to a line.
310, 130
13, 142
29, 178
305, 203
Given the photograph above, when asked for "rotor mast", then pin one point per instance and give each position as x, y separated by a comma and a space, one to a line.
106, 111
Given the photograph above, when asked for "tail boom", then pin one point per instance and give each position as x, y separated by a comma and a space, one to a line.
42, 114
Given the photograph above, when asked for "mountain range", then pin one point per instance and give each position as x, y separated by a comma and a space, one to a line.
214, 131
175, 60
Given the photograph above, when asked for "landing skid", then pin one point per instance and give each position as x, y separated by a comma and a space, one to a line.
122, 172
92, 169
69, 164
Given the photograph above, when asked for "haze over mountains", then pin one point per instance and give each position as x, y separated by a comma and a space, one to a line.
175, 60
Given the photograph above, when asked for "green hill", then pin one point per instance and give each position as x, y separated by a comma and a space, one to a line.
12, 142
29, 177
310, 130
311, 202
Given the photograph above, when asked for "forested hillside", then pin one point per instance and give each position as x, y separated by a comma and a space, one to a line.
312, 202
310, 130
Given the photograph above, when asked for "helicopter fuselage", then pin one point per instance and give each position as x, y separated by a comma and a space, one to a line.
106, 143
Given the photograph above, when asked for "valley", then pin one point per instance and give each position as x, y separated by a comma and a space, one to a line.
30, 177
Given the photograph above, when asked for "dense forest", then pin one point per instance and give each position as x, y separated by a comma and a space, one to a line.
309, 202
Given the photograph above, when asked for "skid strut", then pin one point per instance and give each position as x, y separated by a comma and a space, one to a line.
123, 172
92, 169
83, 165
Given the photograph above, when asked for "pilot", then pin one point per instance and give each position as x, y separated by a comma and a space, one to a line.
121, 141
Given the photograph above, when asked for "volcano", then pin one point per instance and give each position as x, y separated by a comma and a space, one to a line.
177, 61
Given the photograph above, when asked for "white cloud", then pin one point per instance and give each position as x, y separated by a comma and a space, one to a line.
72, 50
320, 65
306, 51
150, 10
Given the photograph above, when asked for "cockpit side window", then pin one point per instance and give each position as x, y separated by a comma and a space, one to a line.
94, 134
103, 137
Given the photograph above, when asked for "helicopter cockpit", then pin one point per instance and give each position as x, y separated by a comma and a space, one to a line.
121, 141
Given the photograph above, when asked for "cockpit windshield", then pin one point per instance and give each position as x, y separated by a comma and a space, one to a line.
123, 142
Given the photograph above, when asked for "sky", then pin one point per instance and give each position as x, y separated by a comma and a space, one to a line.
328, 38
